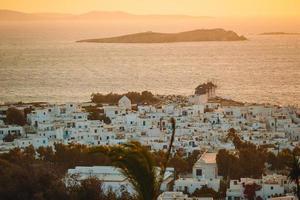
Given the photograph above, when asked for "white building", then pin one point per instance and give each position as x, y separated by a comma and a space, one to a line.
270, 186
10, 129
125, 102
205, 173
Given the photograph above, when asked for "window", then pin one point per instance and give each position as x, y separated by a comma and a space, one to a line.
272, 187
198, 172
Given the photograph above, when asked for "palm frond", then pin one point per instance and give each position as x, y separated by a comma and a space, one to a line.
137, 164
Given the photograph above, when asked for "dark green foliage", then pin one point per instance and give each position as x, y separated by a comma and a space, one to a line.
10, 137
90, 189
48, 166
282, 161
15, 116
181, 164
97, 114
224, 184
250, 191
228, 165
25, 177
205, 192
135, 97
294, 174
30, 181
247, 161
138, 165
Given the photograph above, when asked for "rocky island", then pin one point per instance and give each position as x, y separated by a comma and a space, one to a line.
187, 36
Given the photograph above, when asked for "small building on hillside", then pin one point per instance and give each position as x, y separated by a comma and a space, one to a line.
125, 102
11, 129
206, 167
205, 173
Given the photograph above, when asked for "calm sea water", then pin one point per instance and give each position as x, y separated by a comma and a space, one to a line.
47, 65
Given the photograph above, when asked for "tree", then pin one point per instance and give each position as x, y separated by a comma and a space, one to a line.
137, 164
29, 153
10, 137
90, 188
167, 158
135, 97
45, 153
228, 165
192, 159
205, 192
179, 163
15, 116
294, 174
30, 181
250, 190
234, 138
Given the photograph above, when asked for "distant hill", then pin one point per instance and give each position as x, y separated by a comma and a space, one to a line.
188, 36
279, 33
9, 15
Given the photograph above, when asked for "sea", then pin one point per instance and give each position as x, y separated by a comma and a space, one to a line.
44, 63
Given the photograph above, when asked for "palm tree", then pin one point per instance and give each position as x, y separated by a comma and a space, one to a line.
167, 158
138, 165
294, 174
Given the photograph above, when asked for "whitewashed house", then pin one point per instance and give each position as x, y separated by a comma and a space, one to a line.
11, 129
125, 103
205, 173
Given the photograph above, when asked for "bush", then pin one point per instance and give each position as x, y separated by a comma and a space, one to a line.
205, 192
15, 116
135, 97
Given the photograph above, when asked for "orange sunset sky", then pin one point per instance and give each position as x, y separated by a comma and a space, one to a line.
269, 8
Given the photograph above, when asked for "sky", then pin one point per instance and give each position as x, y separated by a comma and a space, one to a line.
229, 8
